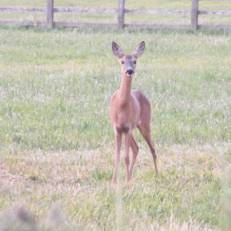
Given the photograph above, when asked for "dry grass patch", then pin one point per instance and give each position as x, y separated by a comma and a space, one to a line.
186, 195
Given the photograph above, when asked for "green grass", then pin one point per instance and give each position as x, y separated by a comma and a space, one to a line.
56, 142
53, 83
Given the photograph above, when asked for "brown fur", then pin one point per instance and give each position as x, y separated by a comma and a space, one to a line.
128, 110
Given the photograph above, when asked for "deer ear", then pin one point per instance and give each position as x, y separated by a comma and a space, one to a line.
117, 51
139, 50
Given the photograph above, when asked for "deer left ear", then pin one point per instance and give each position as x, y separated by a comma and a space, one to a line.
139, 50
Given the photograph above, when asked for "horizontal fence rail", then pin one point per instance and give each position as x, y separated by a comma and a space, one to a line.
18, 9
159, 11
216, 12
50, 10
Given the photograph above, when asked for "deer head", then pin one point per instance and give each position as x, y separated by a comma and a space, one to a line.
128, 62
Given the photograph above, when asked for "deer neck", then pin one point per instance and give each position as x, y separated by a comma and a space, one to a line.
125, 89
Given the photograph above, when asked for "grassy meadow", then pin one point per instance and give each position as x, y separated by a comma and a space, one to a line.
56, 142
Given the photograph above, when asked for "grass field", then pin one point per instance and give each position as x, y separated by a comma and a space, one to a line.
56, 142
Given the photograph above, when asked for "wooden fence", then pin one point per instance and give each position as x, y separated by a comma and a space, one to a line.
50, 10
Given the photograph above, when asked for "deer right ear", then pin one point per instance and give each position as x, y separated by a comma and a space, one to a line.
139, 50
117, 51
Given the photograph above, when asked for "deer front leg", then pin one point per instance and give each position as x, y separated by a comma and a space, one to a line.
127, 161
118, 138
135, 150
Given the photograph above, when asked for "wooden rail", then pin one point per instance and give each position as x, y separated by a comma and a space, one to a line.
50, 10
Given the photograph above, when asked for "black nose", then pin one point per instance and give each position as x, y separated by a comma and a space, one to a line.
130, 72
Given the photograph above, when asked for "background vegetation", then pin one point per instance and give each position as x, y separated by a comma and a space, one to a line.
56, 143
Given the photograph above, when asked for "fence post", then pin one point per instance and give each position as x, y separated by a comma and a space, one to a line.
121, 11
50, 13
194, 14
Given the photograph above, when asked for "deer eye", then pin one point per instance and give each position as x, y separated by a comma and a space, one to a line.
122, 62
134, 62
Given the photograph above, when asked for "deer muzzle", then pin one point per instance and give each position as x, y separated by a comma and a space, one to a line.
129, 72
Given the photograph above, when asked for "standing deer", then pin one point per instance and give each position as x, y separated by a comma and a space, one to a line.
128, 110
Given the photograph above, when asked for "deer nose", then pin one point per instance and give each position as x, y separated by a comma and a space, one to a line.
130, 71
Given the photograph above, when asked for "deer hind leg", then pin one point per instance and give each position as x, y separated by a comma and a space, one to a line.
135, 150
146, 133
118, 140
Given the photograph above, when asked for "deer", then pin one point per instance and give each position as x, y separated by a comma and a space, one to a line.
129, 109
